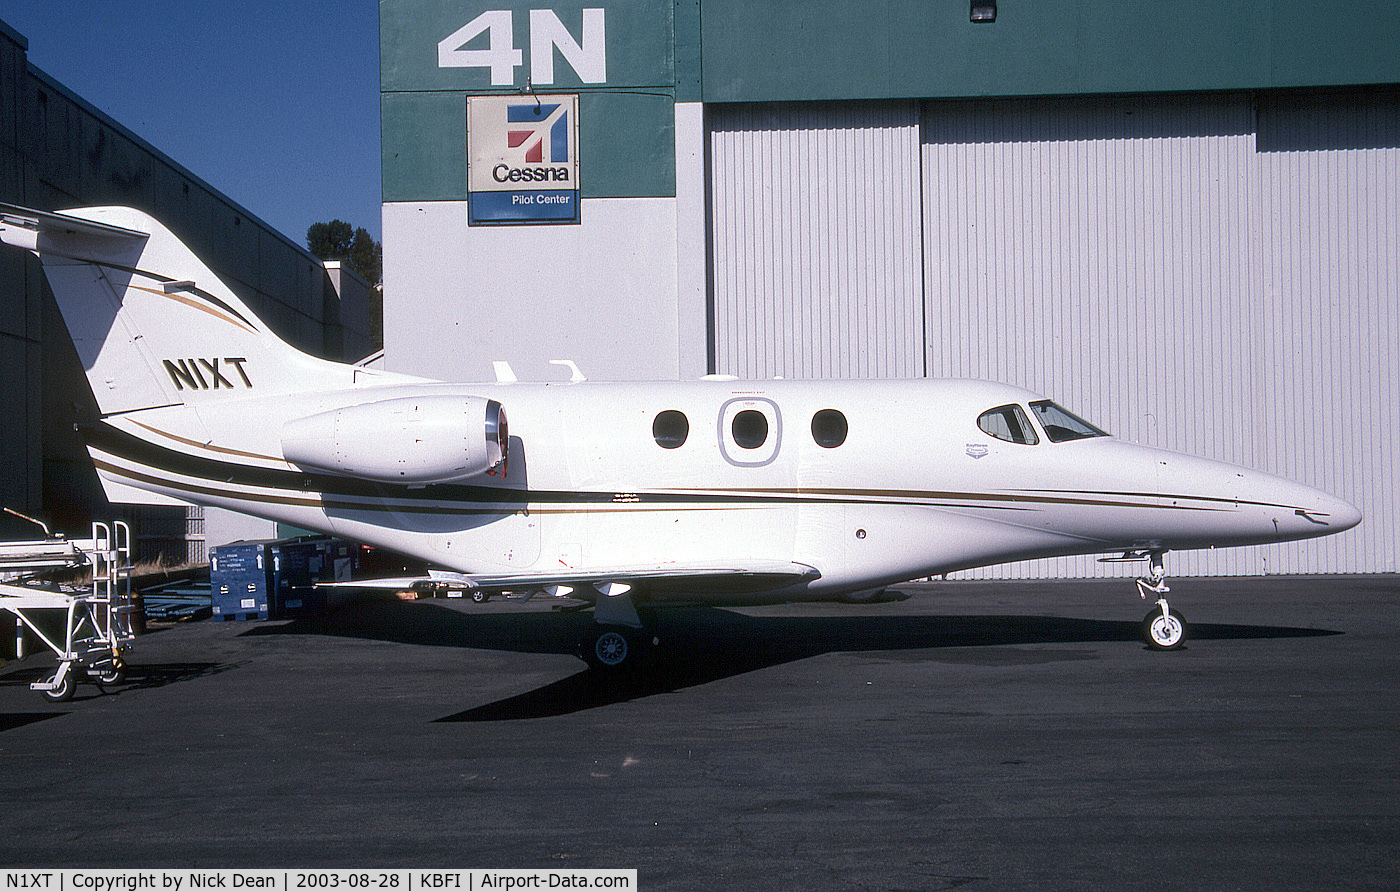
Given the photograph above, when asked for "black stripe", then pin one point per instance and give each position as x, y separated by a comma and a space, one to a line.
336, 489
1164, 495
138, 450
352, 492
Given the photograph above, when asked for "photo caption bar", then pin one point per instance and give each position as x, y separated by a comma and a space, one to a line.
281, 880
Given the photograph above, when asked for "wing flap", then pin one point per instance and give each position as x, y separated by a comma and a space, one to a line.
748, 576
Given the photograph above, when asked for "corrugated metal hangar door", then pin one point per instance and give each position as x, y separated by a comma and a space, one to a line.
816, 240
1217, 274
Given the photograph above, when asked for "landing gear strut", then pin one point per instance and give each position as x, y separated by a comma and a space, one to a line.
1163, 628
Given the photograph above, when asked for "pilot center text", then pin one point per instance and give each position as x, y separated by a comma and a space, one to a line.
185, 880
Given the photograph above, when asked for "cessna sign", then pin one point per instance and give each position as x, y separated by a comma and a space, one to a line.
522, 151
522, 159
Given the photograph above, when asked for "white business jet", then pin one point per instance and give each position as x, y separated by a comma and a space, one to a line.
715, 491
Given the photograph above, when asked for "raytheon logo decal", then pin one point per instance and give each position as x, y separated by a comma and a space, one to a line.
548, 126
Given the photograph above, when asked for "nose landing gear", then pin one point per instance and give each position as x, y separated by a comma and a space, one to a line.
1163, 628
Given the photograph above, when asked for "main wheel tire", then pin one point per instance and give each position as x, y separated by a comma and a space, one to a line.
480, 597
65, 690
610, 649
1164, 632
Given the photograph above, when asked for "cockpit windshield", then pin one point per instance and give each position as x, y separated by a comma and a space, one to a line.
1062, 425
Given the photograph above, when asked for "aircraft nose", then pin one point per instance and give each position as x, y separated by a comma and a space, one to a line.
1336, 513
1317, 513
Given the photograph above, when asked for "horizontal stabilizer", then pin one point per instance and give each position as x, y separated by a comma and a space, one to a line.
21, 227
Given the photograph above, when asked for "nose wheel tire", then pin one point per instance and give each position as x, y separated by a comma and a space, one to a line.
1164, 631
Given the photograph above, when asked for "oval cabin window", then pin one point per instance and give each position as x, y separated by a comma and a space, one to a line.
829, 428
670, 429
750, 429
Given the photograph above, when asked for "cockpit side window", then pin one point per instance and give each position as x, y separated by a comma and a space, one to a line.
1008, 423
1062, 425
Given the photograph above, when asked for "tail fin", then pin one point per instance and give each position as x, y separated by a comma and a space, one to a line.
152, 324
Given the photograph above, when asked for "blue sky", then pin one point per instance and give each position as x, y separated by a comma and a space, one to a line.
274, 104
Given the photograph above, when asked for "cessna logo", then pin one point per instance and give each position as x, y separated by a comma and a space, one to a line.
504, 173
535, 130
205, 374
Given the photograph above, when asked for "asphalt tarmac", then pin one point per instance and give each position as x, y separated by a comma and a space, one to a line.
972, 735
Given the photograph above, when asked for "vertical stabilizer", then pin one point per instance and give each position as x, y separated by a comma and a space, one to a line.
151, 322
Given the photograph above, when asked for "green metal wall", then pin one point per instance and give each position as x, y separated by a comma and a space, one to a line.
664, 51
835, 49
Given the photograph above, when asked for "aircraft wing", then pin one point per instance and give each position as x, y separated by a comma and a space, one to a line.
740, 576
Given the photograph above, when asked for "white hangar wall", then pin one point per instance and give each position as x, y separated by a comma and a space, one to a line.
1212, 273
606, 286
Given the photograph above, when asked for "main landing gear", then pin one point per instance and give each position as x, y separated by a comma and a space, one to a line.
1163, 628
618, 639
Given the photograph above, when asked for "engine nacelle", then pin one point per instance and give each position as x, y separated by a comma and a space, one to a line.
413, 440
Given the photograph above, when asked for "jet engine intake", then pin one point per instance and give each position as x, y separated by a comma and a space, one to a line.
413, 440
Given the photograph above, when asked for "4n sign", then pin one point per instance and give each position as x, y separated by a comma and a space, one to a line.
587, 56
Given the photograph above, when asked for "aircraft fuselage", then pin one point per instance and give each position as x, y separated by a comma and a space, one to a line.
593, 479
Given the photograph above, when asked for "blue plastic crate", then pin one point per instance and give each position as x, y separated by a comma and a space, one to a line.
240, 578
275, 578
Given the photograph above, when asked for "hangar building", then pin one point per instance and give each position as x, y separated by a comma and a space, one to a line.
57, 151
1181, 219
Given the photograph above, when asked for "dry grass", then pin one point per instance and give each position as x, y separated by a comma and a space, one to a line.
143, 573
159, 567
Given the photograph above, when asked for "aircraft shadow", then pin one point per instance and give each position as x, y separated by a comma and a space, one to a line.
699, 645
12, 720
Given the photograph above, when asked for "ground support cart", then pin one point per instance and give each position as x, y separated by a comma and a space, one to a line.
88, 627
